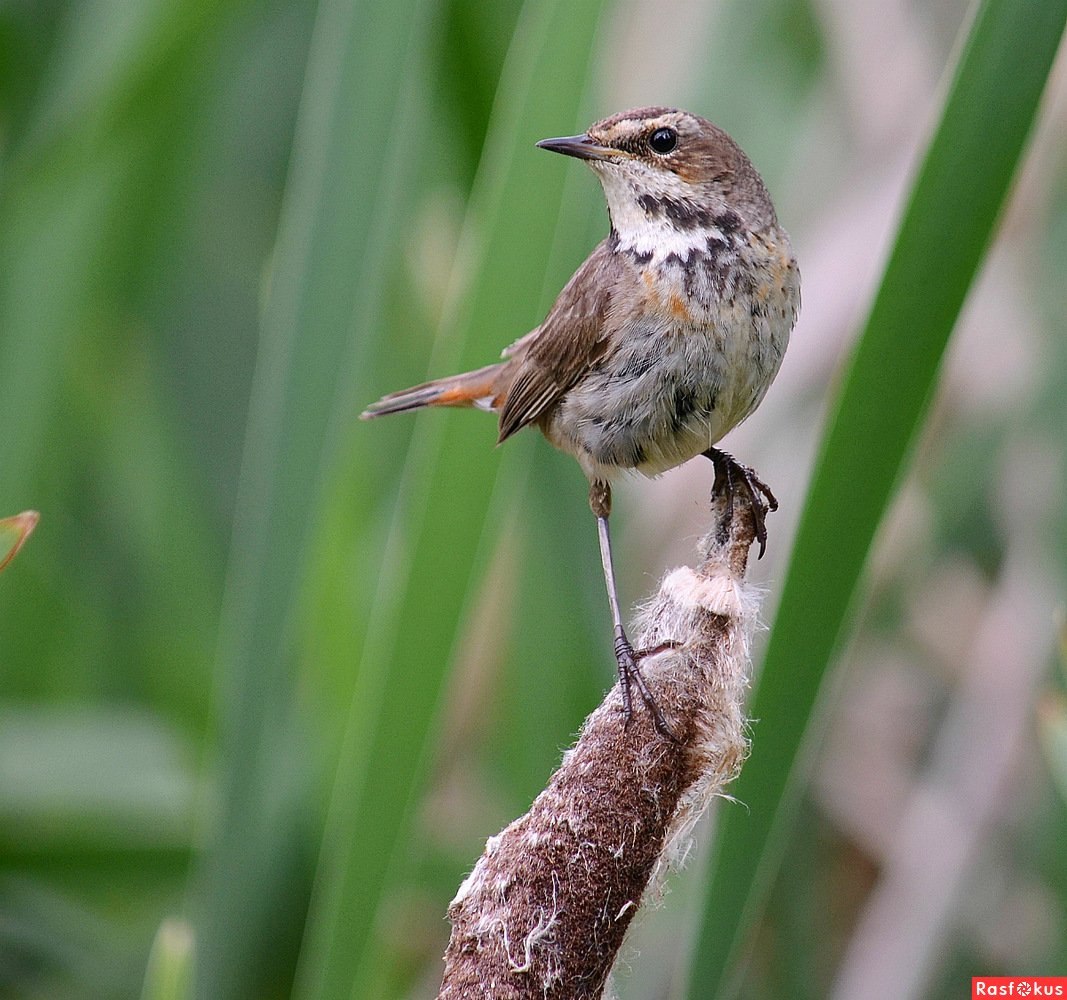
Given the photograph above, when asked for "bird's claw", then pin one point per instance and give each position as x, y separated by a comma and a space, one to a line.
628, 660
732, 477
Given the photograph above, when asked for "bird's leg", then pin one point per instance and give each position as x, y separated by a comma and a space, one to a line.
625, 657
732, 477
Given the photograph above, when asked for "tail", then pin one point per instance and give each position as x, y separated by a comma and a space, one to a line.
479, 388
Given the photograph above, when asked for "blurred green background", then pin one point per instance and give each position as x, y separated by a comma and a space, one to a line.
275, 675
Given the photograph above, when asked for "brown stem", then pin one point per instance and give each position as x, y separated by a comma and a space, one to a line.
545, 910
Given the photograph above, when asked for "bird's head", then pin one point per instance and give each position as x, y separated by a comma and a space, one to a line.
669, 171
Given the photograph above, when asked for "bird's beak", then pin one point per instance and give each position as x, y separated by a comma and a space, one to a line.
582, 146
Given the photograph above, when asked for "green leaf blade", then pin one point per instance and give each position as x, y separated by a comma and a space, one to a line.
950, 218
340, 190
447, 517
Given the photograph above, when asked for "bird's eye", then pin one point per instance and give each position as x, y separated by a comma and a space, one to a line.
663, 140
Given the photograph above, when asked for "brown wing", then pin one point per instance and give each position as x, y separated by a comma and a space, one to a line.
550, 359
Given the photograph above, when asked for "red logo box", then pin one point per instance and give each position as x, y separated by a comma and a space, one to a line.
1018, 986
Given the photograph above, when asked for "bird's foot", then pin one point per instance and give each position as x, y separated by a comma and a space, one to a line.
731, 479
628, 660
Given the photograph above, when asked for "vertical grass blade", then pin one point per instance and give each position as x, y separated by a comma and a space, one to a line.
953, 208
341, 185
440, 527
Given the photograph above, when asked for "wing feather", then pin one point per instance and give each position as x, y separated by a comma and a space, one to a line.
573, 337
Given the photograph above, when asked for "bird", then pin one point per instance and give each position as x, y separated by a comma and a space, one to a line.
665, 339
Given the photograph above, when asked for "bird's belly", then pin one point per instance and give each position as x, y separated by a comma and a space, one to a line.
667, 393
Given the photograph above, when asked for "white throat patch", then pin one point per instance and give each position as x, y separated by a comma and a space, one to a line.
637, 230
